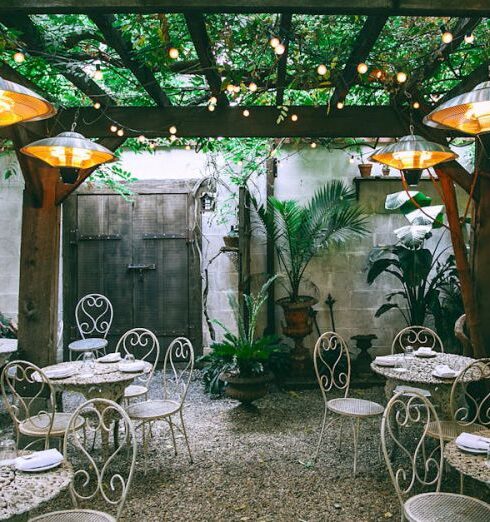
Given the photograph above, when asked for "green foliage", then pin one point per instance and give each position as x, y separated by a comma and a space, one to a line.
242, 352
299, 232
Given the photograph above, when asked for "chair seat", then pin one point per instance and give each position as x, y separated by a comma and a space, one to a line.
433, 507
355, 407
75, 515
38, 426
88, 345
451, 429
134, 390
152, 409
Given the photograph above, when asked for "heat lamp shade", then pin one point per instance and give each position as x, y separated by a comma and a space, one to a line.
413, 152
69, 149
17, 103
468, 112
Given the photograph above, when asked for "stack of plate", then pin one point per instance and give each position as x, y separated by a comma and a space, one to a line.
473, 443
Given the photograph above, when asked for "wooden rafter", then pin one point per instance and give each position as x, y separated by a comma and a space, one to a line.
360, 51
480, 74
32, 37
364, 7
285, 35
313, 121
115, 39
197, 29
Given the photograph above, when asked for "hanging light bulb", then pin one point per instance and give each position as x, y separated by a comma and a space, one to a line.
252, 87
17, 103
340, 105
172, 129
416, 105
412, 154
187, 147
113, 128
280, 49
468, 112
321, 69
173, 53
120, 132
97, 105
236, 89
213, 100
69, 150
141, 138
230, 87
211, 107
19, 57
294, 117
274, 42
447, 37
401, 77
362, 68
469, 38
313, 145
246, 113
172, 138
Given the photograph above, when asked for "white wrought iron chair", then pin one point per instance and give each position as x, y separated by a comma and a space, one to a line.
416, 336
98, 473
93, 314
332, 367
418, 466
144, 345
175, 386
30, 400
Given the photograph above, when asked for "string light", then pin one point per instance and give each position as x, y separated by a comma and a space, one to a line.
340, 105
274, 41
280, 49
321, 69
173, 137
469, 38
120, 132
230, 87
19, 57
211, 107
172, 129
187, 147
113, 128
294, 117
362, 68
246, 113
313, 145
173, 53
252, 87
416, 105
152, 145
213, 100
236, 89
97, 105
401, 77
447, 37
141, 138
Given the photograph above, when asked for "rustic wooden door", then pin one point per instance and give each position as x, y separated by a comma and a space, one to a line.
142, 254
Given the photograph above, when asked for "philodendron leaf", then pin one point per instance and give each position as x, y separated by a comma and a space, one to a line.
412, 236
432, 215
402, 201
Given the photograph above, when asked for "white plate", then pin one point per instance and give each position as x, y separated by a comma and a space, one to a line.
36, 470
386, 364
425, 355
476, 451
131, 368
103, 360
69, 372
439, 376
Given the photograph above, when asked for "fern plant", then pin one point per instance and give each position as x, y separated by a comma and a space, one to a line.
299, 232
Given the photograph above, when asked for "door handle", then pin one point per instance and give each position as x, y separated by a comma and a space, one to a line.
142, 267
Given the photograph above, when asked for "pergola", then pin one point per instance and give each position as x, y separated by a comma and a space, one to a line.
45, 192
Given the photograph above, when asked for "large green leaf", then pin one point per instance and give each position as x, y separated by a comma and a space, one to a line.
385, 308
415, 264
432, 215
412, 236
403, 201
380, 266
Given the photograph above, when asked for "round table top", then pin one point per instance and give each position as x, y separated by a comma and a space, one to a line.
420, 369
104, 373
22, 492
7, 348
475, 466
91, 343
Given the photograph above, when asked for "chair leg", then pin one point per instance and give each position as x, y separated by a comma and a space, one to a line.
171, 424
340, 433
461, 483
185, 437
145, 449
355, 429
315, 458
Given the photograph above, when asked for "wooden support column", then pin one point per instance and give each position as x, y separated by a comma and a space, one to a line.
462, 263
480, 247
244, 233
271, 168
39, 260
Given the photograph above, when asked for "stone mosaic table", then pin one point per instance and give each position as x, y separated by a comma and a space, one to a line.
471, 465
7, 348
22, 492
419, 374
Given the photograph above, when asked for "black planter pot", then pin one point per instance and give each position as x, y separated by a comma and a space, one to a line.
412, 176
68, 175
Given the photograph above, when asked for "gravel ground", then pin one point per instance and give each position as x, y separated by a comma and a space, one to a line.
255, 465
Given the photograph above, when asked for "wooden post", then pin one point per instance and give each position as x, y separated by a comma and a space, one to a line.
39, 260
270, 252
244, 232
462, 263
480, 251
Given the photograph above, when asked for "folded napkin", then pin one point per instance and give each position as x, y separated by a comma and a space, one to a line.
135, 366
386, 359
409, 390
110, 357
473, 441
443, 370
425, 350
39, 459
57, 373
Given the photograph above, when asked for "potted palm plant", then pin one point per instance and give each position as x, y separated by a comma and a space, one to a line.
300, 232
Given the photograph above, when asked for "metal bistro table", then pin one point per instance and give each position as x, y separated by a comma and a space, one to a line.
21, 492
7, 348
469, 464
419, 374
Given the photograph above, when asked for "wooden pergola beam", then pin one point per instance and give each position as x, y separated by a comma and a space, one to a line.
32, 37
197, 29
360, 51
115, 39
284, 34
313, 121
361, 7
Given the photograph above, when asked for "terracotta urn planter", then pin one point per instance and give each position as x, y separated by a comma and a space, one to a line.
231, 241
246, 389
298, 324
365, 169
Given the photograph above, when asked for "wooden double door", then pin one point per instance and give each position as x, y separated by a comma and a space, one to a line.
142, 253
